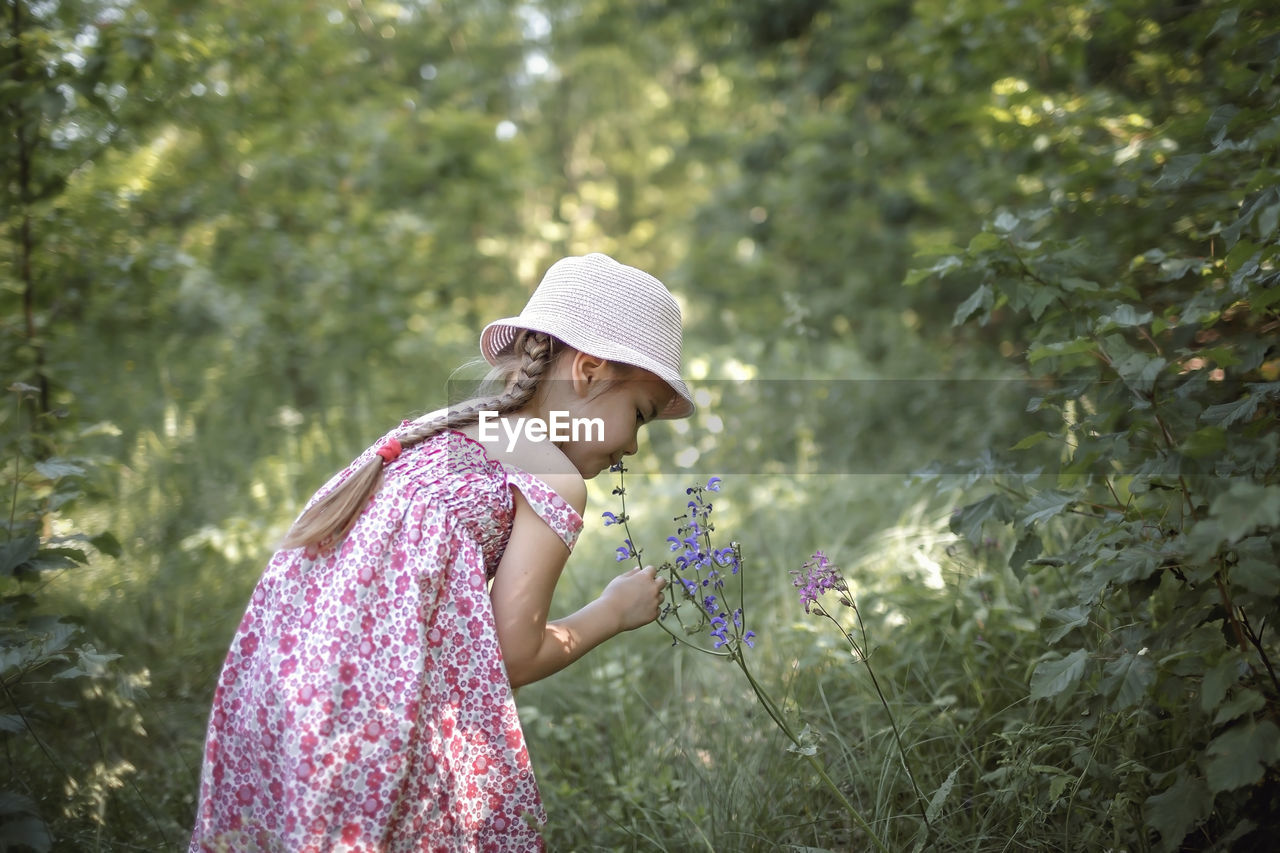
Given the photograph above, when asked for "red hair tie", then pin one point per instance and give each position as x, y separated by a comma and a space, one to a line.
390, 451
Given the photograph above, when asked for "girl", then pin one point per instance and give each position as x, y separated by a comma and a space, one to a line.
366, 703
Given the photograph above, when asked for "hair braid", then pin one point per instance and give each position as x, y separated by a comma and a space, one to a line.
328, 520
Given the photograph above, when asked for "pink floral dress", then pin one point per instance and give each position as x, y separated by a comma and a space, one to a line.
364, 704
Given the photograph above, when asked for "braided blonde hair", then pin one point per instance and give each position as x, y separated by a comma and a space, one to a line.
328, 520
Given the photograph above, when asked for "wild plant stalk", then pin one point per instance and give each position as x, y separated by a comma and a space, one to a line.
816, 577
705, 563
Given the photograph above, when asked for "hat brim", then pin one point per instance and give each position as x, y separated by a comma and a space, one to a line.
499, 335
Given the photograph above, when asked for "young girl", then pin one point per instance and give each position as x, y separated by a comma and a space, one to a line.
366, 702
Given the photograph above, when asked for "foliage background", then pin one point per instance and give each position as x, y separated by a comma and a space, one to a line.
980, 298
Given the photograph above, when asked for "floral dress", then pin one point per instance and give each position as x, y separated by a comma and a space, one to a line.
364, 704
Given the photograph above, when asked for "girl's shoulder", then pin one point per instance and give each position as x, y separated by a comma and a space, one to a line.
542, 459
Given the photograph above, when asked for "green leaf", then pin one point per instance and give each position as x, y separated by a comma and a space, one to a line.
57, 468
1028, 548
1128, 677
1258, 576
1052, 677
1123, 316
983, 241
1233, 515
1205, 442
1177, 810
1059, 784
1245, 507
1063, 621
51, 559
1030, 441
969, 520
1173, 269
1244, 702
1218, 679
73, 555
980, 298
1226, 414
14, 803
1006, 222
1267, 221
16, 552
26, 832
107, 544
939, 798
1226, 21
940, 269
1058, 348
1071, 283
1044, 505
1240, 755
1040, 299
1178, 170
1139, 371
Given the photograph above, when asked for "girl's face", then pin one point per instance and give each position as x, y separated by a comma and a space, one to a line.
622, 399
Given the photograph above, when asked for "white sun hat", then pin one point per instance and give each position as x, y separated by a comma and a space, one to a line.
606, 309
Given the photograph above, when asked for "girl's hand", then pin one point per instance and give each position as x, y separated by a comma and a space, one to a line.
635, 596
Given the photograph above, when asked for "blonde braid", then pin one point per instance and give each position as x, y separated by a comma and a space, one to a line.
536, 354
328, 521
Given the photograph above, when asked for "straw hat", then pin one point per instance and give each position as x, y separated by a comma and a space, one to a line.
609, 310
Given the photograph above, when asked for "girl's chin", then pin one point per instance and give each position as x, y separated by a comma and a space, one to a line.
589, 470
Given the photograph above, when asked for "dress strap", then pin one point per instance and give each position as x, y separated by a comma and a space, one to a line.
559, 515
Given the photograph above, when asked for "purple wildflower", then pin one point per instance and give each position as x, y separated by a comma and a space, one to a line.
626, 550
610, 518
719, 629
816, 577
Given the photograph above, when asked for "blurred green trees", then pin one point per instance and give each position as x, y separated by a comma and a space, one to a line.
241, 239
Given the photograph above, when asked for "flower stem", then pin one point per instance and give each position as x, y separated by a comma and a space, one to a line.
772, 710
862, 653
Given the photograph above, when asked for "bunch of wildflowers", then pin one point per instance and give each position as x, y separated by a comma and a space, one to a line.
697, 578
698, 582
816, 577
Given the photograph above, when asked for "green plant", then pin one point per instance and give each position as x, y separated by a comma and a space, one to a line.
1150, 515
48, 667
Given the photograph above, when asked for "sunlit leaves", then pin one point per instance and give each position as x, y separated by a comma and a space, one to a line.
980, 299
1154, 337
969, 520
1044, 505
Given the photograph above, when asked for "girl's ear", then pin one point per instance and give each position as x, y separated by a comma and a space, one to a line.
585, 371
